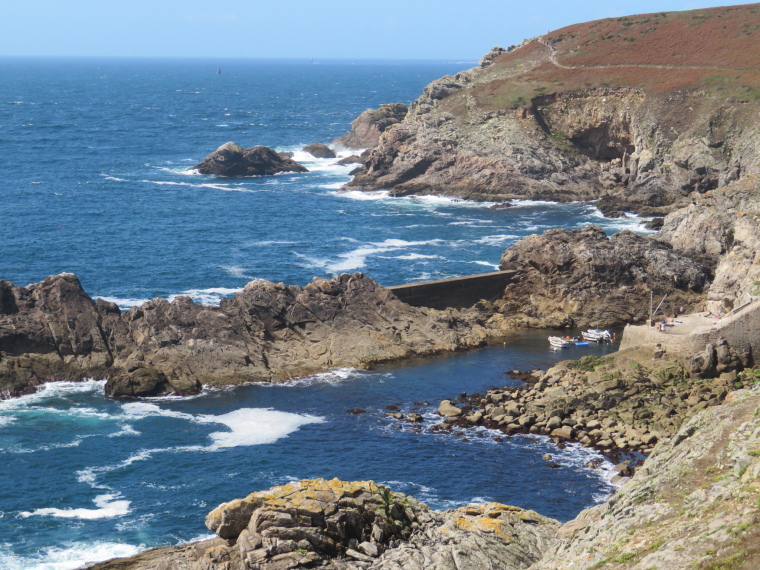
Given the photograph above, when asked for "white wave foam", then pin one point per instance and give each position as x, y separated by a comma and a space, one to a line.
125, 430
531, 203
413, 256
125, 304
370, 196
357, 258
6, 420
267, 243
141, 410
494, 266
236, 271
210, 296
256, 426
68, 557
113, 178
335, 376
109, 506
53, 390
498, 239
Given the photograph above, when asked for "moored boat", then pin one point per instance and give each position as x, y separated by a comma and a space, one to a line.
597, 335
559, 342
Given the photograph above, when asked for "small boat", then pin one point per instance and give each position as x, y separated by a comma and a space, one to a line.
597, 335
559, 342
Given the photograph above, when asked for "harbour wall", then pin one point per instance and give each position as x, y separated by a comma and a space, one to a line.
740, 328
456, 292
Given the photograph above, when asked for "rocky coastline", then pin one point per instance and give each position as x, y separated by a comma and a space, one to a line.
268, 332
693, 503
567, 117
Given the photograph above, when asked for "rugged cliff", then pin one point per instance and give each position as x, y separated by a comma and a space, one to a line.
637, 111
53, 331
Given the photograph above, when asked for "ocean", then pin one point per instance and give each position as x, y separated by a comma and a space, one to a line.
96, 181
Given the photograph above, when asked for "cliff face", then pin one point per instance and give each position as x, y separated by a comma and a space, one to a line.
54, 331
637, 111
723, 223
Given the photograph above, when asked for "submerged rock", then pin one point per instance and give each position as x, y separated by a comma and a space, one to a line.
233, 161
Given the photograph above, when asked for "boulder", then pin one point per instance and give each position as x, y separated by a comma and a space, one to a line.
448, 410
233, 161
319, 150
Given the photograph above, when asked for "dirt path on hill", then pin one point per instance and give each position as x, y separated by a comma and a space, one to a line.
553, 60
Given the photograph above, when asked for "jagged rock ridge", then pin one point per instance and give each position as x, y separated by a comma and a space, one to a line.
269, 332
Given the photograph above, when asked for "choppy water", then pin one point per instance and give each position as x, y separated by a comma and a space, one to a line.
95, 181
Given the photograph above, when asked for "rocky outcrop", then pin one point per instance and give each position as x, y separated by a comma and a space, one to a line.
341, 525
367, 127
536, 122
233, 161
319, 150
722, 223
583, 278
268, 332
693, 504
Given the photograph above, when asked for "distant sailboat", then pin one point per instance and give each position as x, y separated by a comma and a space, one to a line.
219, 71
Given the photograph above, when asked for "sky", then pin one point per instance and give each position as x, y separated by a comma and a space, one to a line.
328, 29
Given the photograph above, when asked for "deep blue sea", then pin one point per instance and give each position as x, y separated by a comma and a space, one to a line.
95, 181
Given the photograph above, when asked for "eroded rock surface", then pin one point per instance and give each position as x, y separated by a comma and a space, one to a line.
693, 504
583, 278
233, 161
367, 127
268, 332
340, 525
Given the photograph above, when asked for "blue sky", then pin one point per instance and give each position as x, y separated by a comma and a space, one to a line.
386, 29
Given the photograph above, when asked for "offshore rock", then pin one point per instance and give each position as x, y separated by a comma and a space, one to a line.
341, 525
268, 332
233, 161
583, 278
319, 150
367, 127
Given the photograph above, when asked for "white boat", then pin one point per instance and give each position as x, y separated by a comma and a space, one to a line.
597, 335
559, 342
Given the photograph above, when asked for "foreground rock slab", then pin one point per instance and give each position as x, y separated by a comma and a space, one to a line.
340, 525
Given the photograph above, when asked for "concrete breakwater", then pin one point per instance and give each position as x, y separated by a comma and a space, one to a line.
456, 292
